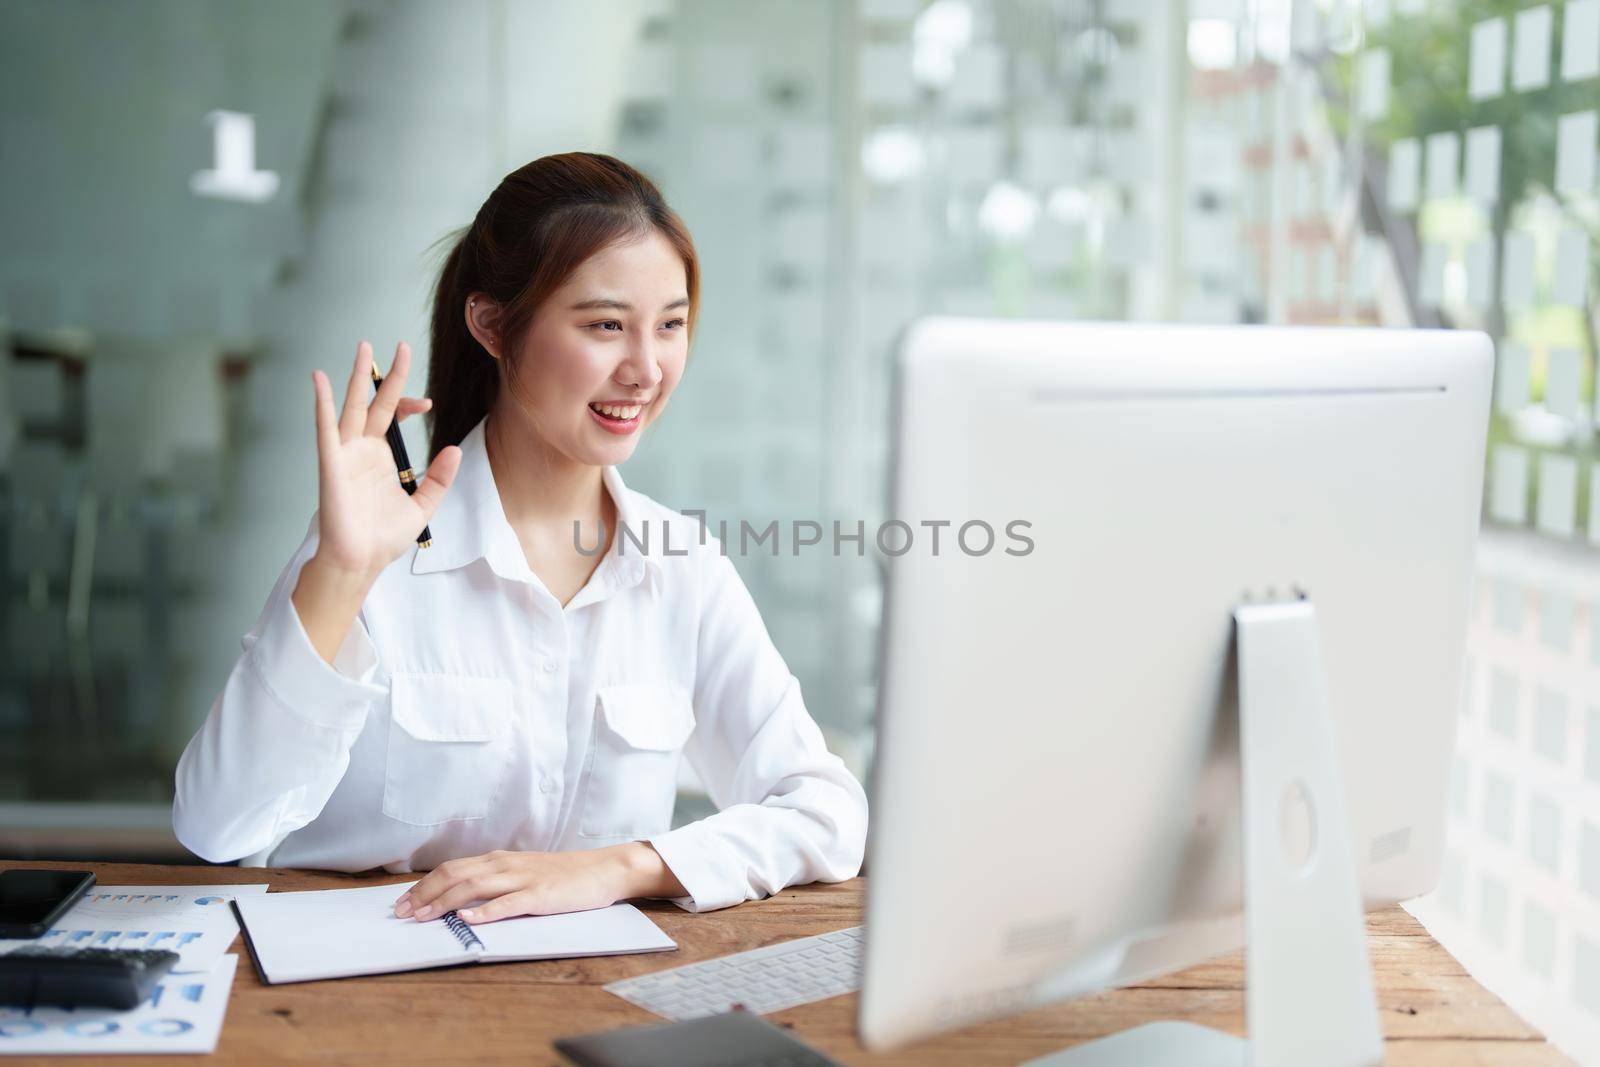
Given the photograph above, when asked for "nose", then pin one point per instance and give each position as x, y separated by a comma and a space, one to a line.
641, 370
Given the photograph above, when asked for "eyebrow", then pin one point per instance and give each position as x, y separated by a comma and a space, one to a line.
621, 305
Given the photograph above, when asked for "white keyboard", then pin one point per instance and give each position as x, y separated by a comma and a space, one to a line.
763, 979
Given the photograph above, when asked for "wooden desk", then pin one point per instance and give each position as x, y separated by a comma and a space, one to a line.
1433, 1012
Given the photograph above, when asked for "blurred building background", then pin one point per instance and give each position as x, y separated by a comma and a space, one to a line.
202, 200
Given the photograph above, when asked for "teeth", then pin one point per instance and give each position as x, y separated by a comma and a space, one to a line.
618, 411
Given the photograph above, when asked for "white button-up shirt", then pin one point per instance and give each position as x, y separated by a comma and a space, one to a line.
467, 710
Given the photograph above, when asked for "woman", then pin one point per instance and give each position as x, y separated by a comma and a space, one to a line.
508, 706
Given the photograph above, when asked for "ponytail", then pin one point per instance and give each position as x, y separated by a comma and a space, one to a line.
462, 377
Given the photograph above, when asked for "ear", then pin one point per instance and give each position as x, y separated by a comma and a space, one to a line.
483, 317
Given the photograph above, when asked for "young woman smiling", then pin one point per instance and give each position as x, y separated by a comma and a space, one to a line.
501, 708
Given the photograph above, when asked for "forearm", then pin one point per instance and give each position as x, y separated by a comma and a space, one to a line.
641, 872
328, 599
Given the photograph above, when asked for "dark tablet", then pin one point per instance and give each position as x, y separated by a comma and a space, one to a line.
732, 1039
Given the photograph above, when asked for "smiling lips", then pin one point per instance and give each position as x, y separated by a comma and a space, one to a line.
617, 418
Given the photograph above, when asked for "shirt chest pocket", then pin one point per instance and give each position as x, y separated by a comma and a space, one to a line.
449, 747
632, 776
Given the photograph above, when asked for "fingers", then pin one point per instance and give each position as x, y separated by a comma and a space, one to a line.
433, 883
453, 884
327, 423
394, 384
438, 881
354, 418
520, 902
483, 886
412, 405
441, 472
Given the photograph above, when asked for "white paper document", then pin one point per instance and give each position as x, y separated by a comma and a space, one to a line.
1516, 270
1571, 283
1558, 496
1508, 500
1405, 172
1430, 273
192, 920
1483, 164
1444, 165
1562, 373
1480, 273
1363, 262
1575, 152
1375, 74
1530, 64
1486, 65
336, 933
1580, 41
1594, 528
1512, 372
184, 1014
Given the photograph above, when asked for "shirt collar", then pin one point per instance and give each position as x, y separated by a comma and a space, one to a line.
470, 524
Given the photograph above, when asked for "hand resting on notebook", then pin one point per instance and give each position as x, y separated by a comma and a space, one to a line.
539, 883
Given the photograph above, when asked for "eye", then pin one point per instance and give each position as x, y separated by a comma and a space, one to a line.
608, 326
676, 324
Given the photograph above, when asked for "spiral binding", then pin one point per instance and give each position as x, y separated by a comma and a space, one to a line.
462, 930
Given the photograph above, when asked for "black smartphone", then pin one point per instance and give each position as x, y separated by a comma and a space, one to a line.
31, 900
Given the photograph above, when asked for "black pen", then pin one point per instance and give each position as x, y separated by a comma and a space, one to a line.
397, 446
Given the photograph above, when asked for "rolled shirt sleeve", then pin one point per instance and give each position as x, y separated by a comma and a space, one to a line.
790, 812
277, 740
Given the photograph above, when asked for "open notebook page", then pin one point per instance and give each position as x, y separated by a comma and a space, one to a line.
612, 931
334, 933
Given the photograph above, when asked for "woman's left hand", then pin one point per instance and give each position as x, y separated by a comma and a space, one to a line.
538, 883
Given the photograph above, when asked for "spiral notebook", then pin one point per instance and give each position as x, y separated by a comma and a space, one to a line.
339, 933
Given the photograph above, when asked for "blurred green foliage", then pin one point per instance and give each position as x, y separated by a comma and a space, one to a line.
1430, 57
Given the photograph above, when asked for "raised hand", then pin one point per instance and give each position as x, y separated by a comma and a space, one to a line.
365, 518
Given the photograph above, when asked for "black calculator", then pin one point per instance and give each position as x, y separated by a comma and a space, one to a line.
81, 977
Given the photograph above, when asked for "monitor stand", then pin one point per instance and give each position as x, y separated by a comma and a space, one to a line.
1308, 994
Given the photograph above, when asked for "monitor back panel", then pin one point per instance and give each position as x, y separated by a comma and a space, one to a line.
1055, 799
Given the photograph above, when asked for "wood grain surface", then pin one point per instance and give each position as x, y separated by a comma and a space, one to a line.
1434, 1013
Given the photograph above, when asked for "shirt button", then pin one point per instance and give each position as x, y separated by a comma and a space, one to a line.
549, 666
547, 784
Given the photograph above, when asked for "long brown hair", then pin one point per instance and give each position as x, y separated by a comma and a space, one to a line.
542, 221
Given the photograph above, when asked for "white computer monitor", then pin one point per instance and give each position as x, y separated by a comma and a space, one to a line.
1056, 793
